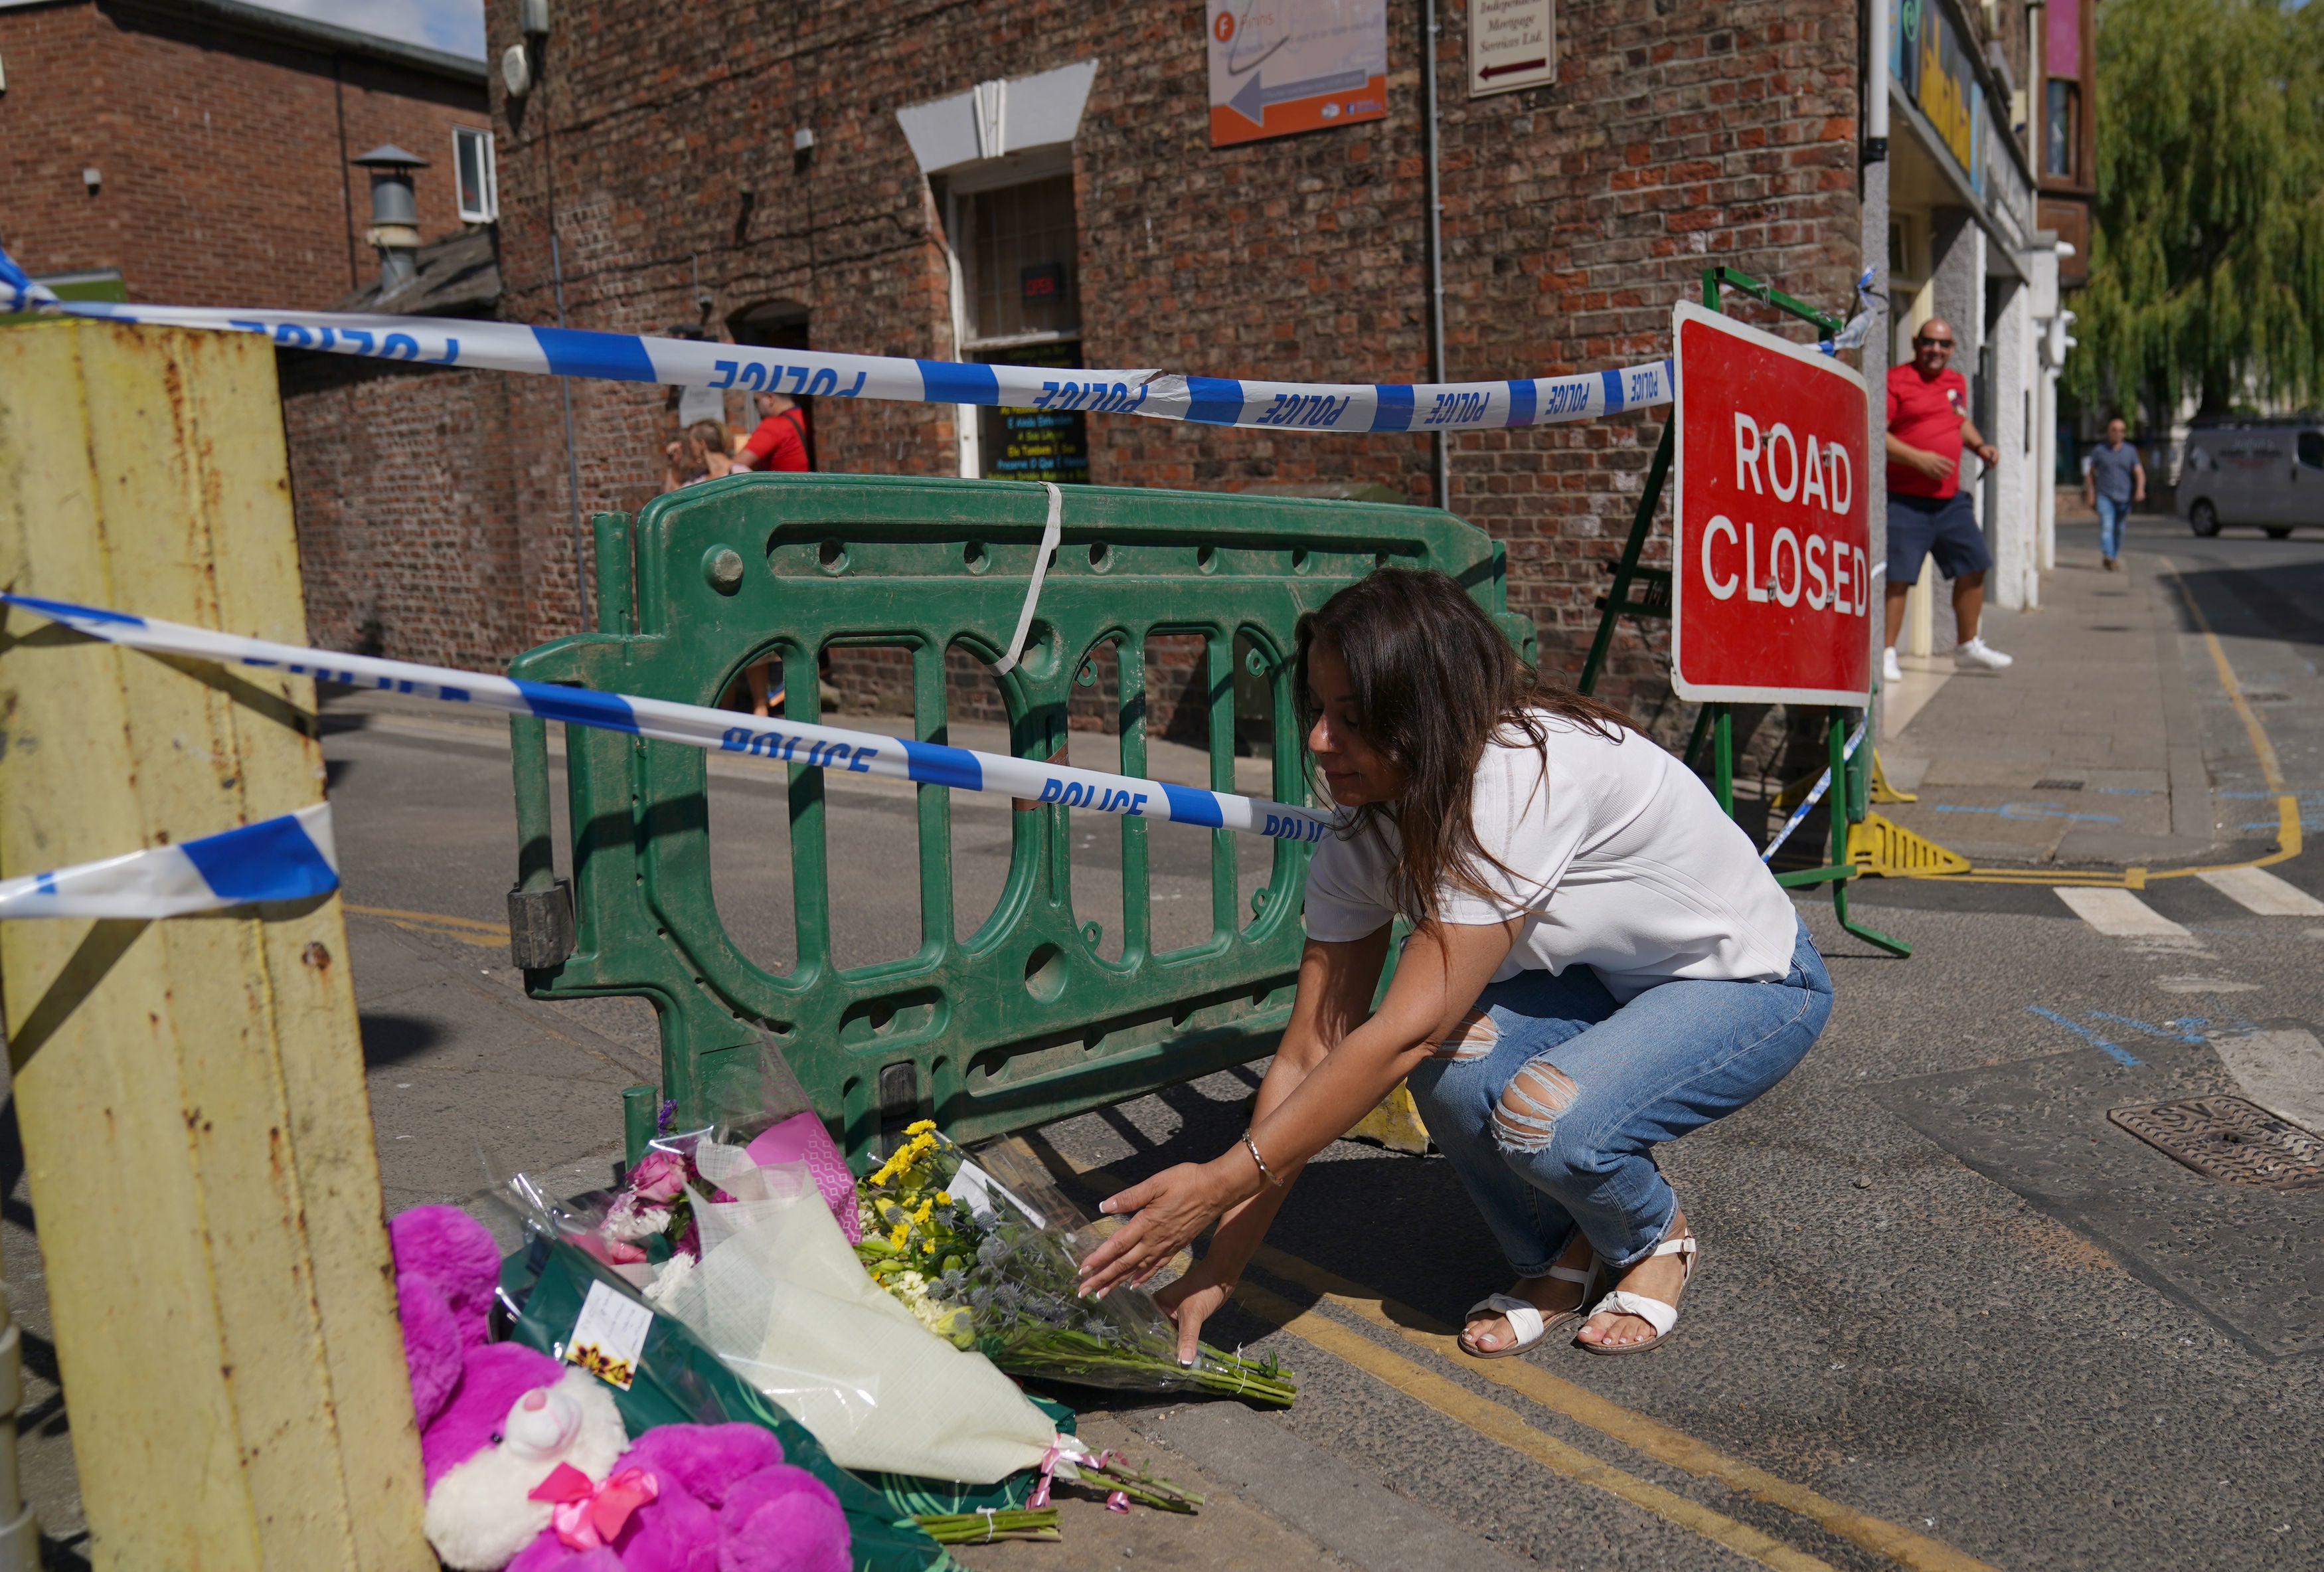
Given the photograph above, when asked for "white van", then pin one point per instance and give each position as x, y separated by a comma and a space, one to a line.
2266, 473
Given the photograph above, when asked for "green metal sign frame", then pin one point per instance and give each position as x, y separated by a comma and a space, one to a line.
1641, 590
1025, 1021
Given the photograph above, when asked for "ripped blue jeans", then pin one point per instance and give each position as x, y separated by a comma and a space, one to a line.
1549, 1098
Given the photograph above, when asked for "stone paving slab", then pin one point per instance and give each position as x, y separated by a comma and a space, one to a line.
2067, 756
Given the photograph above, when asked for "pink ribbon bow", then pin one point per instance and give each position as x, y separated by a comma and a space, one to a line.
589, 1515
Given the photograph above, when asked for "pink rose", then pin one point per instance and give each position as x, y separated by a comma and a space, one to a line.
622, 1252
659, 1176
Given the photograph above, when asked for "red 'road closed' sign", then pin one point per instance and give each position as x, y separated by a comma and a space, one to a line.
1771, 594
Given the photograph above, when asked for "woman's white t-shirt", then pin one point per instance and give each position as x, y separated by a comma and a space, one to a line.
1626, 865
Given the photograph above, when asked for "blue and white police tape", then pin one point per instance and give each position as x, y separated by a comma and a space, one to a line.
689, 363
289, 858
834, 749
1815, 793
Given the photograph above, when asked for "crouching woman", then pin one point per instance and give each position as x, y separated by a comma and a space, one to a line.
1599, 963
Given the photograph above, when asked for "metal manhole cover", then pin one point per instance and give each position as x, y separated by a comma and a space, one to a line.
2230, 1139
2049, 785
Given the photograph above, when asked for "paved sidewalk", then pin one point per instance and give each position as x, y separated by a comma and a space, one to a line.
2087, 751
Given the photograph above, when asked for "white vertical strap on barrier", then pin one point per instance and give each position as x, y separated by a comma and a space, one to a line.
1051, 533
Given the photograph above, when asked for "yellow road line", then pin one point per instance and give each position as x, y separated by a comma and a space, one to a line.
1497, 1423
2269, 769
466, 930
1633, 1429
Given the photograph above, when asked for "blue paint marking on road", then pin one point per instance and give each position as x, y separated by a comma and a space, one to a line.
2148, 1028
2022, 811
2115, 1052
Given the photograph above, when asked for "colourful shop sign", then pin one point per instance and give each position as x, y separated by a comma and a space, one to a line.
1928, 58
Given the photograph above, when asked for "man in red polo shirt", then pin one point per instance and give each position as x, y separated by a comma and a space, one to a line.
1928, 513
779, 443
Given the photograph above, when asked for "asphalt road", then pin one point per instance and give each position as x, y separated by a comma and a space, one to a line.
1947, 1316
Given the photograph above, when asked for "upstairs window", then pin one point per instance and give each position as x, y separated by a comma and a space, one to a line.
479, 184
2062, 132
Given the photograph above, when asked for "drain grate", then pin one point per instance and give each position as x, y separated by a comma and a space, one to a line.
2049, 785
2231, 1140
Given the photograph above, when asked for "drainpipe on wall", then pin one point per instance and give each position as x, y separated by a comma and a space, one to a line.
1444, 452
1875, 92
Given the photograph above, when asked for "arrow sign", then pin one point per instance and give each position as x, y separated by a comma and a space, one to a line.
1251, 99
1489, 72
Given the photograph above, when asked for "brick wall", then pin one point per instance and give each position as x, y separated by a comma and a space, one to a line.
223, 157
407, 482
1679, 135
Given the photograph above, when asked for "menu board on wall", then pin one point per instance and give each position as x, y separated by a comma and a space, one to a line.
1050, 445
1512, 44
1284, 65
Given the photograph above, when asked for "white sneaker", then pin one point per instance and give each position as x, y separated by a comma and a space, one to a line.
1977, 652
1889, 671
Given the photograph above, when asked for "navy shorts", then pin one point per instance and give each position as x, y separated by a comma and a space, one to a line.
1945, 527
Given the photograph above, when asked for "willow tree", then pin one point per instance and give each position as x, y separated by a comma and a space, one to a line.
2207, 257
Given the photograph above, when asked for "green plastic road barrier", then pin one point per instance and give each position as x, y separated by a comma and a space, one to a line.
1024, 1021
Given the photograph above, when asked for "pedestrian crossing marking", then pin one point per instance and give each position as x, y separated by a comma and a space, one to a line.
2258, 890
2118, 913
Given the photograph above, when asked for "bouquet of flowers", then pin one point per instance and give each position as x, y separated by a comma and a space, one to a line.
978, 1265
656, 1203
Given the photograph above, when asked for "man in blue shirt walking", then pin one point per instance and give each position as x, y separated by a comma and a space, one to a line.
2113, 479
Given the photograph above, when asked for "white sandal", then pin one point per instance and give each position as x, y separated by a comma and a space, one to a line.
1524, 1318
1654, 1313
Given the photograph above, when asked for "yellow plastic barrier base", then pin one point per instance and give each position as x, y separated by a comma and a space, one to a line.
1886, 848
1884, 792
1394, 1124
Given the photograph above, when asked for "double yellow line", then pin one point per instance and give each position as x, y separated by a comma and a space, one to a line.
466, 930
1499, 1423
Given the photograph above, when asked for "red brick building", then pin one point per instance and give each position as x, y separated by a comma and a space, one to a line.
823, 175
198, 149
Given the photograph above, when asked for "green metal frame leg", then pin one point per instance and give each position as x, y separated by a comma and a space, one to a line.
1843, 799
1723, 758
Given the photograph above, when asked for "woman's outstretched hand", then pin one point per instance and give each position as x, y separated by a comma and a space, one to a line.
1192, 1300
1166, 1214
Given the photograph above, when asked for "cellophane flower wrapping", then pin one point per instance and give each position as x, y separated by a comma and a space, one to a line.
986, 1252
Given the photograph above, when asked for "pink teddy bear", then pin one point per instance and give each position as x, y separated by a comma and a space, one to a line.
685, 1498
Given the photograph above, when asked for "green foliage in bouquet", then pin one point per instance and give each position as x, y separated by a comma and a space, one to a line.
977, 1268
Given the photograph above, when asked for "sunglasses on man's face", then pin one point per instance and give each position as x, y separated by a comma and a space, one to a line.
1933, 343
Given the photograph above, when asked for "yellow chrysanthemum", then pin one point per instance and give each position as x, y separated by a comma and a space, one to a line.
903, 1231
943, 1197
922, 1127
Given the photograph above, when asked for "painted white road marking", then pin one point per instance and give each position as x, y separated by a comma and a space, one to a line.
2118, 913
2257, 889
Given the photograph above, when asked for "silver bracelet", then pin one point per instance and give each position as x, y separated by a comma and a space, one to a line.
1265, 1172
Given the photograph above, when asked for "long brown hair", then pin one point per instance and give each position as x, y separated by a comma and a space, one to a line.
1434, 682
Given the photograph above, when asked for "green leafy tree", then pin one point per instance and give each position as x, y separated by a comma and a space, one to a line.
2207, 257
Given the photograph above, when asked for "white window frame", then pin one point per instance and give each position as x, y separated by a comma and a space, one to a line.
491, 210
